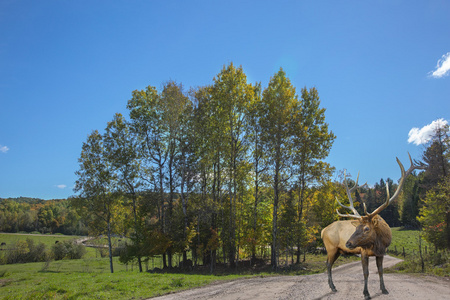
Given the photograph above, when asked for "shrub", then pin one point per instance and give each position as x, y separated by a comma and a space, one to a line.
59, 251
68, 249
25, 252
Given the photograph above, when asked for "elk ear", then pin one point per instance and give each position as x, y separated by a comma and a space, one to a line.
355, 223
375, 221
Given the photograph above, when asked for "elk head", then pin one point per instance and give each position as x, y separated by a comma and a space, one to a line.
372, 232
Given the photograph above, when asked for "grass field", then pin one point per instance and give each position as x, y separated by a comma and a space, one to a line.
407, 239
47, 239
90, 278
434, 263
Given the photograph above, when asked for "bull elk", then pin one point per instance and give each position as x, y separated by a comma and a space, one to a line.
370, 238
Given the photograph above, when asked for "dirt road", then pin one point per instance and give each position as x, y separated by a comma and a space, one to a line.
348, 280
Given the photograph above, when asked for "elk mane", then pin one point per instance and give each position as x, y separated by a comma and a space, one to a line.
383, 236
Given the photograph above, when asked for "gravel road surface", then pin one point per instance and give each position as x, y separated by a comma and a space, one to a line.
348, 280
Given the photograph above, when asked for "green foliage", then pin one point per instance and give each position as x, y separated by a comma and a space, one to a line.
409, 202
23, 251
100, 199
207, 171
68, 249
43, 216
434, 215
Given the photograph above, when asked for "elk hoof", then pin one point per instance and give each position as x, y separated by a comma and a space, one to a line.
385, 291
333, 289
367, 296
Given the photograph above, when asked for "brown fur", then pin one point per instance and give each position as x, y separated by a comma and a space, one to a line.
377, 238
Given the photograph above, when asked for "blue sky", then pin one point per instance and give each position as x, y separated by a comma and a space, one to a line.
67, 66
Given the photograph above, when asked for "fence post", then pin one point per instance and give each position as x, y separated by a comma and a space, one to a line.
404, 254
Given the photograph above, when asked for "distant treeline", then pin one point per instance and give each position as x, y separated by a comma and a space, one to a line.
24, 214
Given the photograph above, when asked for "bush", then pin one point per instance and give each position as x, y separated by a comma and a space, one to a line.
68, 249
25, 252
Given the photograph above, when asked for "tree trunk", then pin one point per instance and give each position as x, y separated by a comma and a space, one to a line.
255, 214
448, 230
274, 224
110, 247
275, 204
163, 212
136, 229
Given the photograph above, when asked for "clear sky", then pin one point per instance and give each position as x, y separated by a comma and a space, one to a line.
380, 67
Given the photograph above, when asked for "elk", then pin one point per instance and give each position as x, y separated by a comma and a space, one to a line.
370, 238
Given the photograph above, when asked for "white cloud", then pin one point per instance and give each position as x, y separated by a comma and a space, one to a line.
424, 134
3, 149
442, 67
61, 186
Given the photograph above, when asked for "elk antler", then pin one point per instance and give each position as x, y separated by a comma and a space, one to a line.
414, 165
349, 195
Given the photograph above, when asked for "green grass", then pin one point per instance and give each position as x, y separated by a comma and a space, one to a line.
89, 278
48, 240
409, 240
434, 263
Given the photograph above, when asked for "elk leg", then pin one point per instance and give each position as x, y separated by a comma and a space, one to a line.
330, 261
380, 273
365, 266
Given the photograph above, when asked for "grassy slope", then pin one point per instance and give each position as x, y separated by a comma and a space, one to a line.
48, 240
88, 278
409, 239
434, 263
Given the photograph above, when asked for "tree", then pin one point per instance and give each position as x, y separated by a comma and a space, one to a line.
409, 202
313, 142
434, 215
174, 104
279, 104
186, 168
258, 159
232, 95
147, 123
120, 151
97, 185
436, 156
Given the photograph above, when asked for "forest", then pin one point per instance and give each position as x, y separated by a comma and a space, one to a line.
33, 215
224, 173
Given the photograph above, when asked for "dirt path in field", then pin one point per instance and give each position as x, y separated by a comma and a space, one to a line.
348, 280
